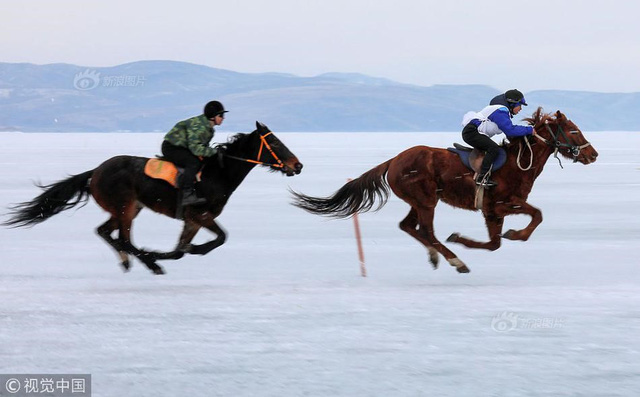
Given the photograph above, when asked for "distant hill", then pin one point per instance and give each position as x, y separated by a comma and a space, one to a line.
154, 95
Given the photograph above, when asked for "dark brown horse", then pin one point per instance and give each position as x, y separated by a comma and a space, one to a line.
423, 175
120, 186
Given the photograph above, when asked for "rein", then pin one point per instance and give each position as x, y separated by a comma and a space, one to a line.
263, 144
520, 153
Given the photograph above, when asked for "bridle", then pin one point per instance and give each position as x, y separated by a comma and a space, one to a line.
263, 144
557, 144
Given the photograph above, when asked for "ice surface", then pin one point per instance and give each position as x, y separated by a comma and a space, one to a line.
280, 309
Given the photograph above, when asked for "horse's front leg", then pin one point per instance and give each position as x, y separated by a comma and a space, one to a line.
523, 208
207, 220
189, 231
494, 227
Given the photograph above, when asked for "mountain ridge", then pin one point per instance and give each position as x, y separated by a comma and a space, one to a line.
154, 95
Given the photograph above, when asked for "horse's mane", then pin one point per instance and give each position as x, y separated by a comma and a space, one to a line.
237, 145
235, 140
537, 118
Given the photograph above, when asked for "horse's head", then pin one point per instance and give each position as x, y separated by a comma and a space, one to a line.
264, 148
558, 131
274, 153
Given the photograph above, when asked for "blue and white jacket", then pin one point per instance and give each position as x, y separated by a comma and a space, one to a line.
494, 120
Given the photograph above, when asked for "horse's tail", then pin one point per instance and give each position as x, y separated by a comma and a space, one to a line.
56, 198
358, 195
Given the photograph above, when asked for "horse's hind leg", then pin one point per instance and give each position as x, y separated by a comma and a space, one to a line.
410, 225
423, 199
425, 220
105, 231
125, 221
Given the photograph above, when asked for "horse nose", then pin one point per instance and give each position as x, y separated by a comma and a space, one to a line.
298, 167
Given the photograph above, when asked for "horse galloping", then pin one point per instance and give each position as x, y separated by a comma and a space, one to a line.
422, 175
121, 187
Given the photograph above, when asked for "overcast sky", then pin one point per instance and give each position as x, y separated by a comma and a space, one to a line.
591, 45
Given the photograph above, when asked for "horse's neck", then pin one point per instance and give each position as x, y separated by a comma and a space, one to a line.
540, 152
235, 171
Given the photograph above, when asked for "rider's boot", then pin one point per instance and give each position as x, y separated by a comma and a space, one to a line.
189, 197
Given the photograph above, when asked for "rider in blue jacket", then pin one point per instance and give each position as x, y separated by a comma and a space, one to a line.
492, 120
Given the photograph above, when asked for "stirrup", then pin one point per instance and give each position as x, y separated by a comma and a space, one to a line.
484, 181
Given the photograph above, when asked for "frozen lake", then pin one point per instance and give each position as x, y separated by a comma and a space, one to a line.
281, 310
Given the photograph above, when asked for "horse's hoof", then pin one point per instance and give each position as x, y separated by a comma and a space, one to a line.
125, 266
453, 238
459, 265
509, 234
158, 271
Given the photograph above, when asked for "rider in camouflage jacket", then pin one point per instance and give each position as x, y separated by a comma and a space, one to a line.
187, 144
194, 134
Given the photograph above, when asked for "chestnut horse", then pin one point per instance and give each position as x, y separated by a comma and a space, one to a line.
120, 186
423, 175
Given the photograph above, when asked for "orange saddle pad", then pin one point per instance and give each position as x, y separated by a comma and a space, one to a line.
160, 169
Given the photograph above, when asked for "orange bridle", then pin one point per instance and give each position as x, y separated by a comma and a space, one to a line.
263, 144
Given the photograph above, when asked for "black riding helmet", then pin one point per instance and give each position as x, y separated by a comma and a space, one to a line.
213, 109
515, 98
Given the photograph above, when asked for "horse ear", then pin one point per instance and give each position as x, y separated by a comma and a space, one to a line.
261, 127
559, 115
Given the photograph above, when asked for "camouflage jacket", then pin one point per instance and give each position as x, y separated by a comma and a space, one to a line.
194, 134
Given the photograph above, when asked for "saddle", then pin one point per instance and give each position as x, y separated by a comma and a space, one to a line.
472, 158
158, 168
165, 170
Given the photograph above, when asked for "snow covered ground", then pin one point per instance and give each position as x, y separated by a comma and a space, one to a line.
281, 310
